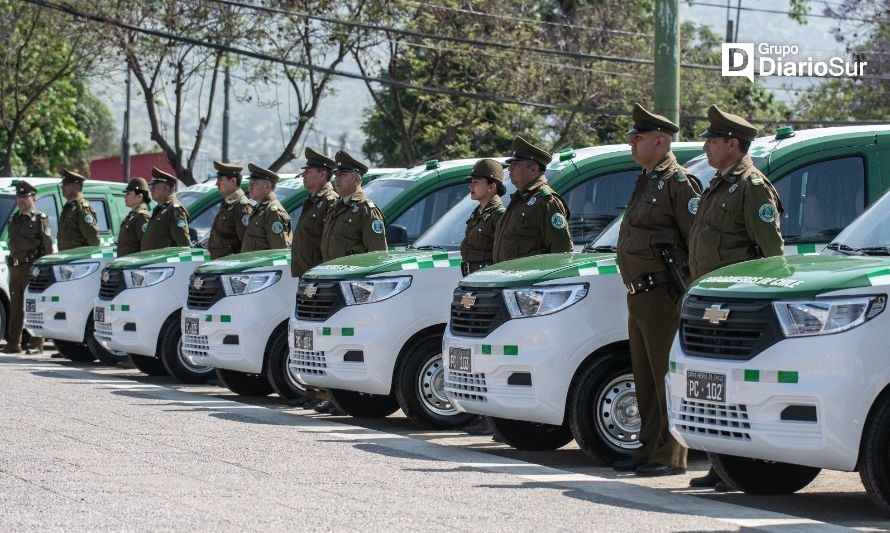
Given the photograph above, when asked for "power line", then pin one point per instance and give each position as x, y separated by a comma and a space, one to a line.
778, 12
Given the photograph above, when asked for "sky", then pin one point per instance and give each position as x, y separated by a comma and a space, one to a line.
259, 132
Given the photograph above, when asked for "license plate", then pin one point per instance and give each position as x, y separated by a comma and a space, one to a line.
191, 326
459, 359
30, 306
303, 339
706, 386
99, 314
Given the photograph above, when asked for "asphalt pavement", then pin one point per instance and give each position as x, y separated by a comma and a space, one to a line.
85, 447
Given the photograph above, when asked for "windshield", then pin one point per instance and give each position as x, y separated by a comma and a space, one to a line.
202, 223
187, 198
868, 234
449, 231
382, 191
699, 167
607, 241
7, 204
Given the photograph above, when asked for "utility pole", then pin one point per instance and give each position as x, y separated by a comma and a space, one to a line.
125, 137
225, 121
667, 59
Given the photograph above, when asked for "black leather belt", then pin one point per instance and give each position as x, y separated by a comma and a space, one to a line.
647, 281
467, 268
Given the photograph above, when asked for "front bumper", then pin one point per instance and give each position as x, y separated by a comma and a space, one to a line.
833, 379
234, 332
133, 319
62, 309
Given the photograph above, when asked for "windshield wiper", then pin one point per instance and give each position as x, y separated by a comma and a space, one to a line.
608, 248
865, 250
842, 248
427, 247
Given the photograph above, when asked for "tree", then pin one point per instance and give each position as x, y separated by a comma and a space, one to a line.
45, 52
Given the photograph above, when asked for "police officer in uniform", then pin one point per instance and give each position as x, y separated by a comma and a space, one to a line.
129, 239
269, 225
355, 225
738, 215
169, 222
536, 221
486, 187
230, 224
652, 258
30, 237
77, 224
306, 246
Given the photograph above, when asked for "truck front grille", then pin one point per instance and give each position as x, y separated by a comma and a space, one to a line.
714, 419
749, 328
112, 283
318, 300
204, 291
466, 386
476, 313
304, 362
43, 279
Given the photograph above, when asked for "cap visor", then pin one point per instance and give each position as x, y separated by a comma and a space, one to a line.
709, 134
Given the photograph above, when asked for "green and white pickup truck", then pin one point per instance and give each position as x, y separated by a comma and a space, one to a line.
780, 366
540, 344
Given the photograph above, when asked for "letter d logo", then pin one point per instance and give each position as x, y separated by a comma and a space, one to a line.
738, 60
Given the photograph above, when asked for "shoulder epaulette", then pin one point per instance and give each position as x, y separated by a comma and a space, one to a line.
757, 180
545, 191
242, 200
42, 215
371, 204
679, 175
500, 209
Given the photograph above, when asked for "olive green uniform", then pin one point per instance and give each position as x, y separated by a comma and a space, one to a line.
230, 225
477, 247
737, 215
268, 227
658, 216
129, 240
29, 238
168, 226
354, 226
77, 225
306, 246
535, 222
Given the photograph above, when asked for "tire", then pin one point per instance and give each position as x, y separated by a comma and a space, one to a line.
278, 372
100, 352
420, 389
530, 436
244, 384
361, 405
170, 353
603, 414
874, 455
755, 476
148, 365
75, 351
4, 322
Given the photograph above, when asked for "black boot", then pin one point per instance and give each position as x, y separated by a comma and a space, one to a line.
708, 480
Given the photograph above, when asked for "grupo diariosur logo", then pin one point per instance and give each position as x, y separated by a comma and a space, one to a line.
782, 60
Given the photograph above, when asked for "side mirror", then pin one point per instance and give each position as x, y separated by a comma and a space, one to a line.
396, 235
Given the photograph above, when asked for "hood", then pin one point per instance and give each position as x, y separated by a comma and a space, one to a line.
79, 254
176, 254
798, 276
363, 265
542, 268
232, 264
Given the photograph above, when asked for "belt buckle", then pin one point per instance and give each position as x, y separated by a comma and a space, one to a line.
631, 288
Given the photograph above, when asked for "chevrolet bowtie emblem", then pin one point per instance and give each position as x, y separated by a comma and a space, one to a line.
105, 276
35, 272
197, 283
310, 291
715, 314
468, 300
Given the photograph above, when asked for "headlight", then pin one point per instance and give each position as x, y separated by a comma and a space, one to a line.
540, 301
822, 317
238, 284
366, 291
74, 271
146, 277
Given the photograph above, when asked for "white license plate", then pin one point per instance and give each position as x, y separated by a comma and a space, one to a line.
706, 386
303, 339
459, 359
191, 326
99, 314
30, 305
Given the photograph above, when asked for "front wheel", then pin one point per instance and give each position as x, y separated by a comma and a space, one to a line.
75, 351
420, 389
148, 365
278, 370
755, 476
361, 405
170, 353
603, 413
874, 457
244, 384
530, 436
100, 352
